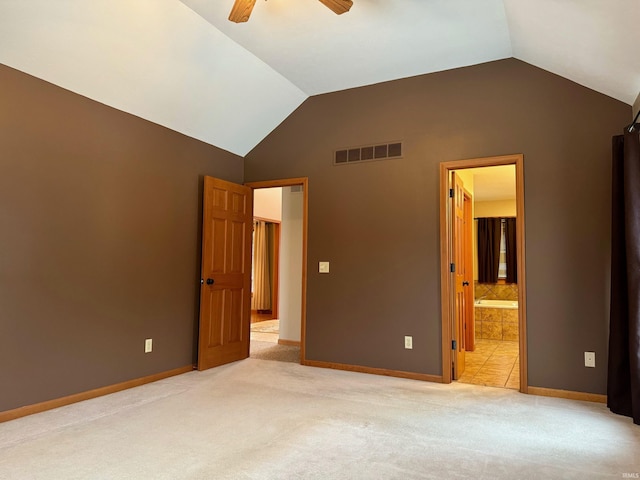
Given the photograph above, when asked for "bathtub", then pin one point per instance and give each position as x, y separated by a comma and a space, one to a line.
509, 304
496, 320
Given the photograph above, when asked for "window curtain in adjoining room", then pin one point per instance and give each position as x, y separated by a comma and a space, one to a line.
488, 249
512, 251
261, 299
623, 382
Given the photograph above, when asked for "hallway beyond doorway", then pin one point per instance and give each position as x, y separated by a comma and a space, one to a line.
264, 343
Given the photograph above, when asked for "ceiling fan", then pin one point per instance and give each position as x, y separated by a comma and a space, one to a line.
241, 10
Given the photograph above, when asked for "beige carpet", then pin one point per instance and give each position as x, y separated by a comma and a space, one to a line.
270, 351
266, 326
257, 419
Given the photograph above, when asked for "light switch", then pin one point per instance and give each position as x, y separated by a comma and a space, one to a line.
323, 267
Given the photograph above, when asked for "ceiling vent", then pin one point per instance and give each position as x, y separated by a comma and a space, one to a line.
368, 153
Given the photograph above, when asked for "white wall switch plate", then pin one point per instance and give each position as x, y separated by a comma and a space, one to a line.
148, 345
408, 342
590, 359
323, 267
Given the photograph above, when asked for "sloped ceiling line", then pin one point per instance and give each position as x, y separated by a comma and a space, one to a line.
156, 59
183, 65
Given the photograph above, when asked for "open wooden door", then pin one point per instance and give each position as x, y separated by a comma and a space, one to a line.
459, 304
225, 293
469, 315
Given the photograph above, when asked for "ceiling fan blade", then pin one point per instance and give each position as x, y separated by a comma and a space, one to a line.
338, 6
241, 10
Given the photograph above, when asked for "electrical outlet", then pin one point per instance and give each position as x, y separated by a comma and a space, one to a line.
408, 342
590, 359
148, 345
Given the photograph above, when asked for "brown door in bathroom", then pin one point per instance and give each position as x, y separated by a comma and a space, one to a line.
225, 291
469, 317
459, 304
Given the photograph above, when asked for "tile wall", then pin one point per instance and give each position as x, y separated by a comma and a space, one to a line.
496, 323
496, 291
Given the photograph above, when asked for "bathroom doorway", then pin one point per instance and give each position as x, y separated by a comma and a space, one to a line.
483, 276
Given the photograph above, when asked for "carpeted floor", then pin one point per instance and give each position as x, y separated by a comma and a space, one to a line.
256, 419
266, 326
273, 351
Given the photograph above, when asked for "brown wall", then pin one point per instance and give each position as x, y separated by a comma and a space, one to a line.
377, 222
99, 242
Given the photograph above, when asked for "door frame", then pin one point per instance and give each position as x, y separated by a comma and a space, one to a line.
290, 182
446, 278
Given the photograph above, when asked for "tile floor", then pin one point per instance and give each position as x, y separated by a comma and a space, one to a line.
493, 363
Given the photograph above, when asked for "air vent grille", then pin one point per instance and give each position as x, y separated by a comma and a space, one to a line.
367, 153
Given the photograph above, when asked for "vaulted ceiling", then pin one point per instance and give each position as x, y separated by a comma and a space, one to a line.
183, 65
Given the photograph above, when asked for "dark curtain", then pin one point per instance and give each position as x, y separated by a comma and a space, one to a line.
512, 252
623, 382
488, 249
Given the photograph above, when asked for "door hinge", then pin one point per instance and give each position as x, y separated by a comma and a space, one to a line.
452, 267
454, 345
451, 193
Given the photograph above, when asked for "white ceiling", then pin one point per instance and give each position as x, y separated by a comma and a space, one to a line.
156, 59
377, 40
494, 183
592, 42
183, 65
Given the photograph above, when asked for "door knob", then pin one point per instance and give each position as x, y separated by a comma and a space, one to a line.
465, 284
210, 281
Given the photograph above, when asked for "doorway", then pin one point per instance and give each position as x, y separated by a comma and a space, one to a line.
483, 272
277, 327
265, 254
265, 268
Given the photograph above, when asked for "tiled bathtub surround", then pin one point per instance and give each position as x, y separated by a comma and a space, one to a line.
496, 323
496, 291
